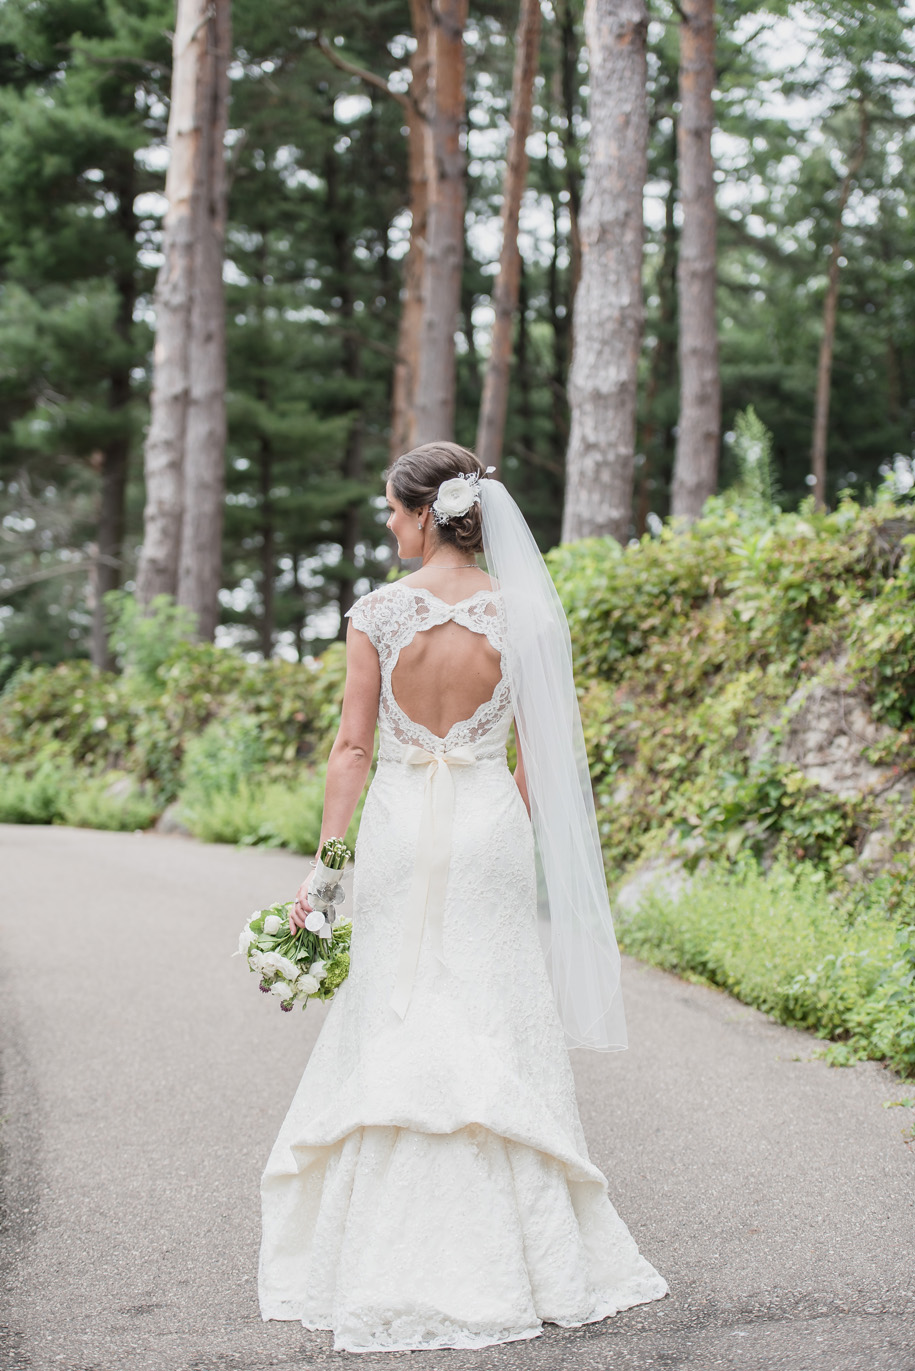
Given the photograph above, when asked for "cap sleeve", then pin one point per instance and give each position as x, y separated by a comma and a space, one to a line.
362, 615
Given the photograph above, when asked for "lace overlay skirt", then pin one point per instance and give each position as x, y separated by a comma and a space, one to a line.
431, 1185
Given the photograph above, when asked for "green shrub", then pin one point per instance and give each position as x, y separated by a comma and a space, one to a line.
112, 801
781, 942
36, 794
279, 813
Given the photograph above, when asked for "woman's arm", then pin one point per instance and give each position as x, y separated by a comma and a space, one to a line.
351, 755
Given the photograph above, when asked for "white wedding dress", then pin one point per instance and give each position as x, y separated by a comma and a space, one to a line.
431, 1185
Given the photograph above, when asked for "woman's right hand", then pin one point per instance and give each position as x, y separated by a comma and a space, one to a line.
302, 906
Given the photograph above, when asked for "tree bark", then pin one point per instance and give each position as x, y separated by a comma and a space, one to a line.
266, 627
570, 82
699, 427
607, 327
494, 404
662, 367
435, 391
185, 444
163, 455
406, 367
115, 454
200, 566
830, 308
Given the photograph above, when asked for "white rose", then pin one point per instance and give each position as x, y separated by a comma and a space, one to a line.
306, 985
256, 960
318, 970
272, 961
454, 497
244, 940
272, 924
282, 990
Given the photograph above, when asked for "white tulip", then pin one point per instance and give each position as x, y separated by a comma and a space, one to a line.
244, 940
272, 924
272, 961
306, 985
318, 970
282, 990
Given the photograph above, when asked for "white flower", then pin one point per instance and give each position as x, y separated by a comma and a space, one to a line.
272, 924
306, 985
318, 970
282, 990
272, 961
244, 940
454, 498
256, 960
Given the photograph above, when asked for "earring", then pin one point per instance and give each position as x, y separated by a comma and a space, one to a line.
419, 525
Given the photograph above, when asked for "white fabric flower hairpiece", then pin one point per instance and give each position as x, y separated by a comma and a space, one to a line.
456, 496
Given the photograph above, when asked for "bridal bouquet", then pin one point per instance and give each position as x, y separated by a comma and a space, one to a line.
314, 961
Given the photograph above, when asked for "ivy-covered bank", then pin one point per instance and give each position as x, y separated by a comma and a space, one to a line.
748, 695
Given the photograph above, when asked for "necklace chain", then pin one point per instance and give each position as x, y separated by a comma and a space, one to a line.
459, 566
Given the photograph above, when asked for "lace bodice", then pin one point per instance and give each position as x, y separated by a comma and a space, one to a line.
391, 617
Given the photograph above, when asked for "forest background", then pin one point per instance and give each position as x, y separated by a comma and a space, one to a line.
316, 238
747, 677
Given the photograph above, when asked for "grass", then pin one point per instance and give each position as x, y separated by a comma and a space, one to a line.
778, 940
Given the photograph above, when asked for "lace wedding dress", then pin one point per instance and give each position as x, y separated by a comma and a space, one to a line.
431, 1185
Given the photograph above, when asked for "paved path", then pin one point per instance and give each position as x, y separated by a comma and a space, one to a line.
144, 1080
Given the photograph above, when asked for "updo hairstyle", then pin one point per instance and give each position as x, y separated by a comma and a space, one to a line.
415, 478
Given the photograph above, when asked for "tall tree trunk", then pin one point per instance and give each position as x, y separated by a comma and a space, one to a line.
163, 455
525, 412
571, 52
699, 427
830, 307
267, 625
435, 391
183, 513
200, 565
662, 367
406, 368
494, 405
115, 454
609, 310
560, 321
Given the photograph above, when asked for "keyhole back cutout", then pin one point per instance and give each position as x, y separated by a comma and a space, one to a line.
444, 674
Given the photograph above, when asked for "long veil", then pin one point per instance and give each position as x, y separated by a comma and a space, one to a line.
579, 943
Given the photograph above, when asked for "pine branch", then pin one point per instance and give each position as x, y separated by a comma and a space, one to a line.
369, 77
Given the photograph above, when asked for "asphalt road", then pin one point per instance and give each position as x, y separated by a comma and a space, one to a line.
144, 1080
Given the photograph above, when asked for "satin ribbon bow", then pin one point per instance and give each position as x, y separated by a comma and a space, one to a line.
426, 900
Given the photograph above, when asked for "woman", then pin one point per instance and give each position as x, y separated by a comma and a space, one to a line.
431, 1185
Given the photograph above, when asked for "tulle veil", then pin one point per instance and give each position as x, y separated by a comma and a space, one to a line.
576, 924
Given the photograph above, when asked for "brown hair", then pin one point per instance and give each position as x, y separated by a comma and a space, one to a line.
416, 476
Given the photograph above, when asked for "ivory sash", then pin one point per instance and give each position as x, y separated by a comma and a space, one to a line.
430, 871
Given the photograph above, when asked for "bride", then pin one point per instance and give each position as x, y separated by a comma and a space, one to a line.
431, 1184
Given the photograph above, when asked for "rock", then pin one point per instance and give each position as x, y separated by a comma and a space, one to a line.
659, 875
827, 735
169, 821
878, 847
121, 788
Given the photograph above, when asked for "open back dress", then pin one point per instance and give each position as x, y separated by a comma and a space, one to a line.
431, 1184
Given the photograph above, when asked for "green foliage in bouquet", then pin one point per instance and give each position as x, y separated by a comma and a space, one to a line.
295, 967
